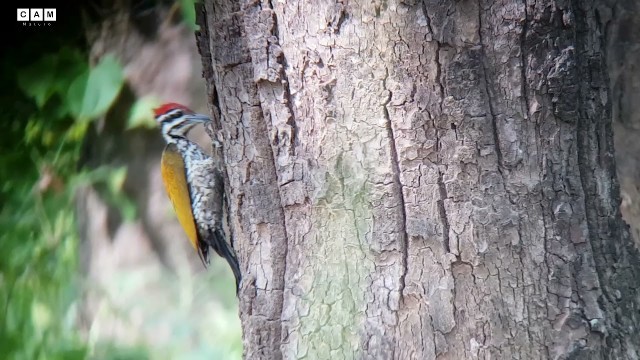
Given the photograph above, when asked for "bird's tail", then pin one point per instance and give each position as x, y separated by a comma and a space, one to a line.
222, 248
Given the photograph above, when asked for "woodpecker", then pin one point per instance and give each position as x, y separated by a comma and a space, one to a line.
194, 185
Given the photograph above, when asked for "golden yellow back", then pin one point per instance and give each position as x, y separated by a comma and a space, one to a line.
175, 182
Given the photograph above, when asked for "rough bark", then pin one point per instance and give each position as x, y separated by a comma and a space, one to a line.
422, 180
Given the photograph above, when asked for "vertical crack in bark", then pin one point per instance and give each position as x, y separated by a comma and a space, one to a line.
438, 77
279, 304
395, 164
439, 74
285, 250
523, 62
545, 234
586, 173
443, 213
265, 85
291, 121
433, 335
525, 98
494, 120
436, 56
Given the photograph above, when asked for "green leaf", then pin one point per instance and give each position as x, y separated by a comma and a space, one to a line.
127, 208
141, 115
77, 131
71, 63
189, 13
37, 80
33, 129
51, 74
75, 95
102, 87
117, 178
115, 184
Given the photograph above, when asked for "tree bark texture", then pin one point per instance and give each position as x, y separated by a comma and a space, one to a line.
422, 179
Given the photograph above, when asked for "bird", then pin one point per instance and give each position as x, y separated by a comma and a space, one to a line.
193, 184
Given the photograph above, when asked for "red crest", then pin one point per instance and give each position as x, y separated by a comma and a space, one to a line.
165, 108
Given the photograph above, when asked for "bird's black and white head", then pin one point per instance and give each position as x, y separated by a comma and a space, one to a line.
176, 120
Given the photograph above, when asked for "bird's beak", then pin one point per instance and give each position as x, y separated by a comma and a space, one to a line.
199, 118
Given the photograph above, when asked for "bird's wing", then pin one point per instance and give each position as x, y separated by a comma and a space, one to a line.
175, 181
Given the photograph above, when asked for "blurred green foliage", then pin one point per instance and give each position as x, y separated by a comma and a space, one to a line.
45, 120
50, 97
141, 112
188, 10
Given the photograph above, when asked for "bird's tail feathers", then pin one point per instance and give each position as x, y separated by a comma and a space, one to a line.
222, 248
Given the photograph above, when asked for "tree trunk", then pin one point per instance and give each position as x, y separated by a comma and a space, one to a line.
422, 180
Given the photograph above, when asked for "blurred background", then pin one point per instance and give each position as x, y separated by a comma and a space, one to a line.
94, 264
